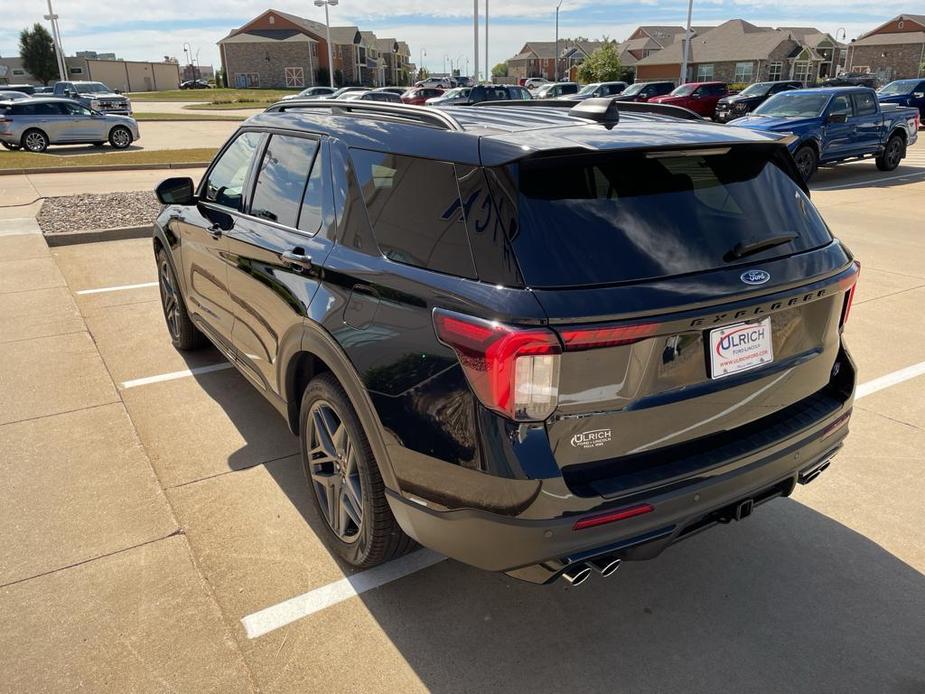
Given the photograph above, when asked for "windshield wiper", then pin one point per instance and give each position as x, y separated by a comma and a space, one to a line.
742, 250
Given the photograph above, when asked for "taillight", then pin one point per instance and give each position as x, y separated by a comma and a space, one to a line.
612, 516
513, 371
576, 339
849, 297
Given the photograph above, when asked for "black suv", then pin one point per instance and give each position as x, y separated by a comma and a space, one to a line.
538, 339
750, 98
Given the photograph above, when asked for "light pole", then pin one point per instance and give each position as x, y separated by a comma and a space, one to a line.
487, 64
421, 66
56, 38
444, 65
687, 43
475, 38
556, 71
327, 23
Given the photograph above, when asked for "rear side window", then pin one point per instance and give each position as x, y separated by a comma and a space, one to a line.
865, 104
225, 184
604, 219
415, 212
281, 179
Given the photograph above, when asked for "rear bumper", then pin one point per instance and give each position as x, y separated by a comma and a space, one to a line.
537, 550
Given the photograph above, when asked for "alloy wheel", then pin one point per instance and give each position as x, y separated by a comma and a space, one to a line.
169, 300
120, 137
335, 476
35, 142
804, 162
893, 153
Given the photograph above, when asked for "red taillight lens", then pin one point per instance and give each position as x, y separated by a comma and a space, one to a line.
514, 371
613, 516
576, 339
849, 297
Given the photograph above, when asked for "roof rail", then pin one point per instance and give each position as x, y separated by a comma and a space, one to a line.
399, 112
628, 106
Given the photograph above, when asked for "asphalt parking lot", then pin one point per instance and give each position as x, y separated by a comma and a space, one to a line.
159, 536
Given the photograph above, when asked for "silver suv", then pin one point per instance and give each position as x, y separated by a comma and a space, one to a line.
37, 122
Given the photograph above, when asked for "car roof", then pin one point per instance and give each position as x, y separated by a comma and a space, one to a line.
833, 90
491, 135
40, 99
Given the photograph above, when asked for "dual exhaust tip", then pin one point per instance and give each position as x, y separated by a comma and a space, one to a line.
581, 572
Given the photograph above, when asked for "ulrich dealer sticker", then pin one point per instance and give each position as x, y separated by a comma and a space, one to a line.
592, 439
740, 347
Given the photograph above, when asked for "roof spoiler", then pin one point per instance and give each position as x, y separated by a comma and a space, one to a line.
611, 114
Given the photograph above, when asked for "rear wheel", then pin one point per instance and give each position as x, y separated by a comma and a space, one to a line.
9, 146
806, 161
344, 478
183, 334
120, 137
35, 140
892, 154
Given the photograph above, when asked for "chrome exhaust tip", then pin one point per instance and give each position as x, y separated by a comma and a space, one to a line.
578, 574
606, 566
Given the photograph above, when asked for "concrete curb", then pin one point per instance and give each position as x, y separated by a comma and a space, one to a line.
71, 238
103, 167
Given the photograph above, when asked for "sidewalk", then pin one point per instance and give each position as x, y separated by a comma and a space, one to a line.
92, 557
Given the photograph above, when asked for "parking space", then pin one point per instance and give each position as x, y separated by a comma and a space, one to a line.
225, 580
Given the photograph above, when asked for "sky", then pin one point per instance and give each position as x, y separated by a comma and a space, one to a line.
442, 29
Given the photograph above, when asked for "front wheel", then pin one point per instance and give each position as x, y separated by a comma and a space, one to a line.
344, 478
183, 334
806, 161
892, 154
120, 137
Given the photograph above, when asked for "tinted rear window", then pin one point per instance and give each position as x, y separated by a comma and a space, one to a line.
618, 218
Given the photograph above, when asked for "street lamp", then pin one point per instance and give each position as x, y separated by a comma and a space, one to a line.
687, 43
421, 66
327, 23
556, 71
56, 39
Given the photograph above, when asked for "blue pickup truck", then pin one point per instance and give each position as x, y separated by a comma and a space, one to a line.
833, 124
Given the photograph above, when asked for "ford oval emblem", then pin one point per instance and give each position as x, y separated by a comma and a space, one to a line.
755, 277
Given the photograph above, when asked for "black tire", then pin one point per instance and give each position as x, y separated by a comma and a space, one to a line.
378, 537
806, 161
893, 153
120, 137
99, 144
183, 334
10, 147
34, 140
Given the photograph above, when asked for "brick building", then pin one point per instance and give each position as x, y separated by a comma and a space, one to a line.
278, 49
894, 50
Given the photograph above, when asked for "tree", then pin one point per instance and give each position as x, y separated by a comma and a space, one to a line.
499, 70
423, 73
602, 66
37, 51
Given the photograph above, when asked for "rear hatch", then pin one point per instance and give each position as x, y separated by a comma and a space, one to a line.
696, 292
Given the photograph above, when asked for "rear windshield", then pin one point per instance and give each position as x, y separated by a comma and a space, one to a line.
620, 218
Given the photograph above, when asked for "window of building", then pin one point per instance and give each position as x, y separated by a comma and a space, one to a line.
295, 76
865, 103
774, 71
801, 70
17, 72
281, 179
246, 80
76, 70
744, 72
705, 72
225, 184
415, 211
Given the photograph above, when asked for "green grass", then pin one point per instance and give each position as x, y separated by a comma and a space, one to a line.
259, 96
29, 160
236, 106
184, 116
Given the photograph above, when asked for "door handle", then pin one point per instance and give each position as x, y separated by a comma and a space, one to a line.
215, 231
296, 258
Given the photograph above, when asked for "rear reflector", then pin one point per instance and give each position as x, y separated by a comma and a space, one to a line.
513, 371
613, 516
576, 339
849, 297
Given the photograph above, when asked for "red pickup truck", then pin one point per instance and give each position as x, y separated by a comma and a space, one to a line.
699, 97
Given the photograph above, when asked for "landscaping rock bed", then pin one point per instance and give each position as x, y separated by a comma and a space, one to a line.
97, 211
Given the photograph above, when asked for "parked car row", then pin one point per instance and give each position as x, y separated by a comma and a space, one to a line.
77, 113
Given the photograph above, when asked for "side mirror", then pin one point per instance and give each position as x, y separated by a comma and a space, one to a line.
118, 91
837, 118
175, 191
918, 95
643, 97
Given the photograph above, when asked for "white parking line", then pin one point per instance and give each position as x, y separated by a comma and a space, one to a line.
872, 181
103, 290
174, 375
288, 611
890, 379
284, 613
